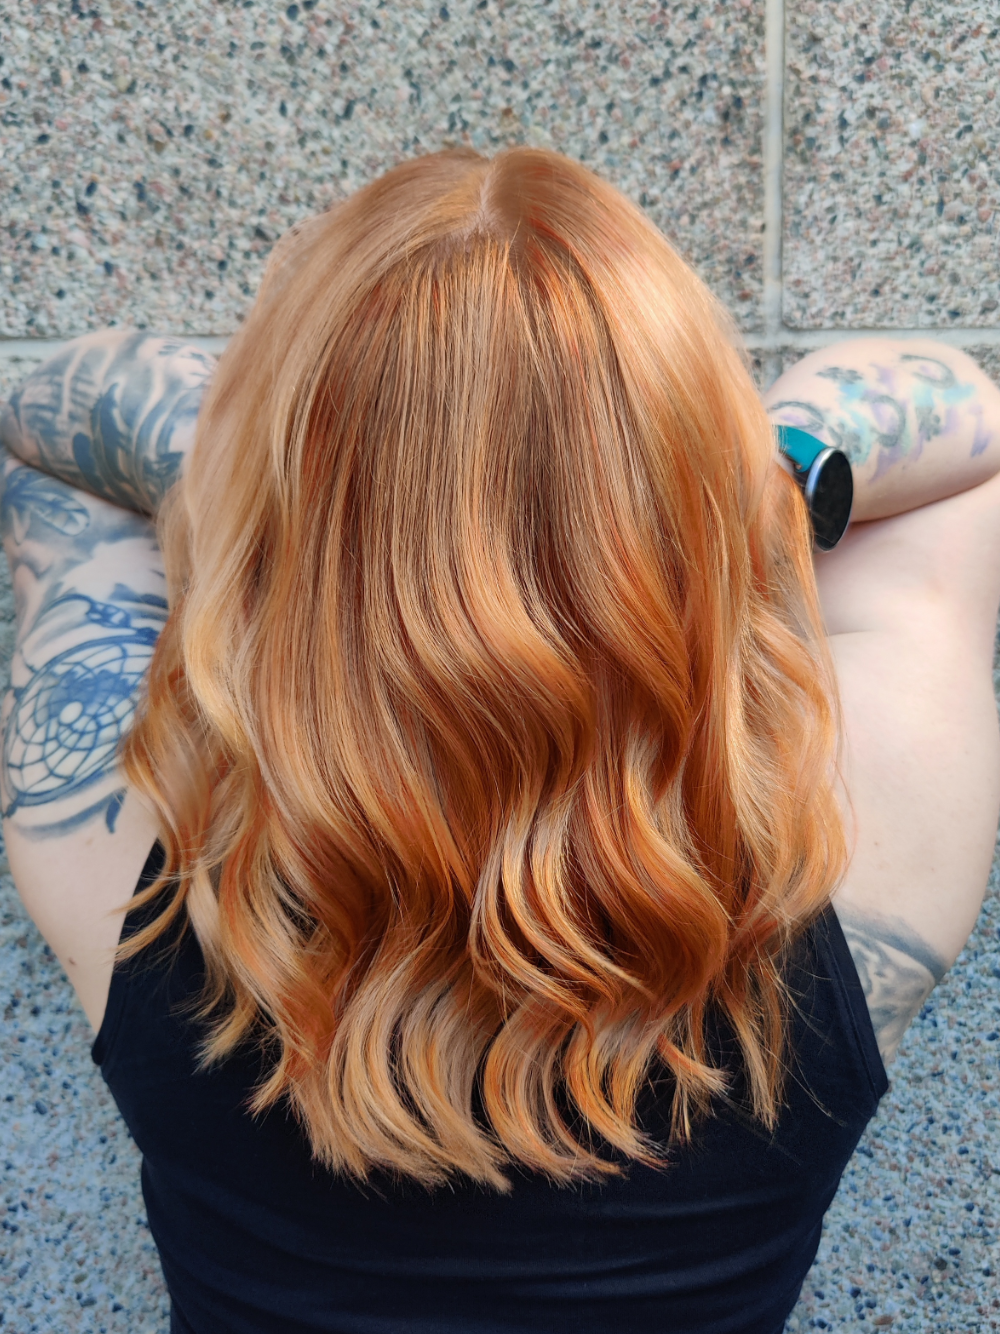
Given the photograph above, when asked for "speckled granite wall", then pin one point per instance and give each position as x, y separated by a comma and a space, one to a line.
156, 150
891, 180
827, 165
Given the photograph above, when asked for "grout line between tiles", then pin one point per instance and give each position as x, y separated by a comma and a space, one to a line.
11, 348
804, 340
773, 155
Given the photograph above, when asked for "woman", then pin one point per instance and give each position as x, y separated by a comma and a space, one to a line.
538, 857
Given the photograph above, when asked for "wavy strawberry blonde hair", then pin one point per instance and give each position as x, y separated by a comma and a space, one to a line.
492, 732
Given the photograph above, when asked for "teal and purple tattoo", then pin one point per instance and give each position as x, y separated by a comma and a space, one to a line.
892, 411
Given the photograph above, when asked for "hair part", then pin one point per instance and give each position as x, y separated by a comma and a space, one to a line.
492, 732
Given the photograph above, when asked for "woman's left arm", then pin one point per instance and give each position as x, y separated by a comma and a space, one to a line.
113, 414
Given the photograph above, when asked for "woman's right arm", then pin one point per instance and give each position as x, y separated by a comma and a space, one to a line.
910, 599
113, 413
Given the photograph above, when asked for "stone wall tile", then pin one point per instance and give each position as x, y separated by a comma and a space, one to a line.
988, 357
891, 180
153, 152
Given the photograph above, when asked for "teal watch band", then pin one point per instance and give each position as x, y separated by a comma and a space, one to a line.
826, 481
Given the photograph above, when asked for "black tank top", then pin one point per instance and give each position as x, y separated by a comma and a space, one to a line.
255, 1237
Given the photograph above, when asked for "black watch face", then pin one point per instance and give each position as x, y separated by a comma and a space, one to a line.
832, 496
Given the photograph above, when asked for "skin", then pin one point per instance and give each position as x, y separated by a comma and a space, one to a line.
920, 423
113, 414
97, 436
86, 638
93, 440
915, 418
897, 967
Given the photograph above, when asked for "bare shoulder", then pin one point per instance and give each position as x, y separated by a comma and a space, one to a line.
76, 888
90, 601
911, 604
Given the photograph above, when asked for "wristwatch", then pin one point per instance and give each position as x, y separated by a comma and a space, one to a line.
825, 479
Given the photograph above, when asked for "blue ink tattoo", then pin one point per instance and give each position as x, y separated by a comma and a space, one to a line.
113, 413
930, 370
82, 658
108, 807
840, 375
115, 802
27, 492
64, 730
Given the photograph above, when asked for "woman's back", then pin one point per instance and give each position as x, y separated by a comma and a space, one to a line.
601, 801
254, 1236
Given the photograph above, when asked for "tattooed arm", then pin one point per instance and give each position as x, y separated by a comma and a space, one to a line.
909, 600
898, 970
90, 599
89, 593
919, 420
113, 414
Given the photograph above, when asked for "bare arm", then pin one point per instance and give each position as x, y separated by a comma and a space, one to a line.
910, 601
113, 414
919, 420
